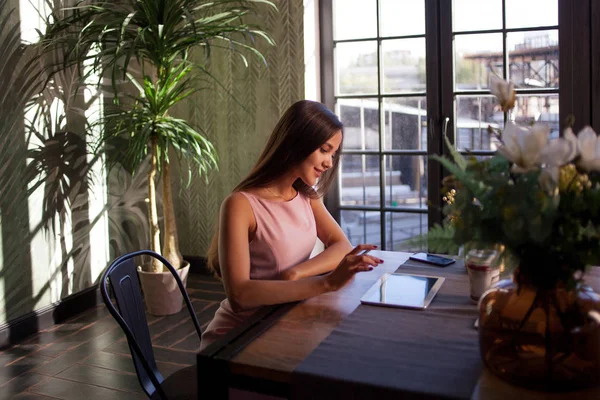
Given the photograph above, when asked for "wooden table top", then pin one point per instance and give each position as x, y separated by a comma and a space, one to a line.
276, 353
302, 329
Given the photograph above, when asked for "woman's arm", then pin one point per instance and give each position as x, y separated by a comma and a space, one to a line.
336, 246
236, 222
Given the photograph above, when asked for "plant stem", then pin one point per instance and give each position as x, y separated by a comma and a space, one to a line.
171, 245
548, 340
562, 316
156, 266
525, 319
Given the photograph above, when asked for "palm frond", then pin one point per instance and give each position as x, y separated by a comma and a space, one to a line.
159, 36
155, 32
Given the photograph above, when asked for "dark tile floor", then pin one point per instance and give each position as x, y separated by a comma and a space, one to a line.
87, 356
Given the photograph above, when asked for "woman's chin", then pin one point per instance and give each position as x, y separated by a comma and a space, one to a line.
309, 181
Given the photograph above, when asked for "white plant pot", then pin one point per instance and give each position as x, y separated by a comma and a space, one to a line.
161, 294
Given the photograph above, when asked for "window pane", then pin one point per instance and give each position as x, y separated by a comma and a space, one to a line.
473, 15
361, 226
360, 180
361, 123
474, 115
530, 13
403, 65
474, 57
406, 181
405, 123
354, 19
533, 58
538, 108
402, 17
356, 67
403, 231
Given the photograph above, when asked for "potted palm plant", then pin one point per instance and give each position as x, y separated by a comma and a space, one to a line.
147, 45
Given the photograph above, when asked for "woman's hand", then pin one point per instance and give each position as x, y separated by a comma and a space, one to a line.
352, 263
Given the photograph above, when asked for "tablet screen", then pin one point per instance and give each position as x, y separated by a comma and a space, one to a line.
402, 290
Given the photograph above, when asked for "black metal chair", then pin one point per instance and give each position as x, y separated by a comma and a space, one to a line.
131, 316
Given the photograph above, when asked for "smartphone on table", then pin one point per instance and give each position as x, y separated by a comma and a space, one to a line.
432, 259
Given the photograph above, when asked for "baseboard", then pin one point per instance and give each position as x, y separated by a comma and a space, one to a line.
197, 265
18, 329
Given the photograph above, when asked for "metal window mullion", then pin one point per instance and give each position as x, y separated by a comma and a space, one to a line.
363, 156
362, 127
388, 160
386, 152
519, 91
479, 119
378, 37
504, 36
440, 102
477, 152
410, 210
507, 30
505, 66
382, 95
381, 133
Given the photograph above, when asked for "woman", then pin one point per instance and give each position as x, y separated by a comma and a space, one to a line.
269, 225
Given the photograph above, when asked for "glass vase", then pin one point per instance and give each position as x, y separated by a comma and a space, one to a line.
542, 339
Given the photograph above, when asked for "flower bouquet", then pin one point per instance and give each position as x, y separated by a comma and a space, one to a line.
537, 198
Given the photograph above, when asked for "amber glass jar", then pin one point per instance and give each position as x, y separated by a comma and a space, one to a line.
541, 339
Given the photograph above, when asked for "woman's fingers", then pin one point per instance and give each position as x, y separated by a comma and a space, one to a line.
366, 259
367, 263
362, 247
371, 260
361, 268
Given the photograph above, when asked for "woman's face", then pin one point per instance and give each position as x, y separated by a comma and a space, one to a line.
320, 160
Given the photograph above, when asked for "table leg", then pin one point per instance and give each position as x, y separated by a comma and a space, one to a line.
212, 379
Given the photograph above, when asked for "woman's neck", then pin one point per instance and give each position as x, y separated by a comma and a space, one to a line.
283, 187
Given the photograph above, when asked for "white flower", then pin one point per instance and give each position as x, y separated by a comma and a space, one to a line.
523, 145
504, 92
549, 183
560, 151
589, 149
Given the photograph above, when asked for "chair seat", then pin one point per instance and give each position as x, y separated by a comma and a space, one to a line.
182, 385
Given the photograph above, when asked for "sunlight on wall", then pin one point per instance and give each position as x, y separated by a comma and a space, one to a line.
312, 76
312, 81
48, 247
33, 14
97, 192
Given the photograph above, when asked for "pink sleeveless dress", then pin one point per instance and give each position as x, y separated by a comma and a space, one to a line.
285, 236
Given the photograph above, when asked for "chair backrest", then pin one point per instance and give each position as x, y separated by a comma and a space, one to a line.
131, 316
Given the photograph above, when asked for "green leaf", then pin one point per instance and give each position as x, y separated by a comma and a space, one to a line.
458, 158
462, 175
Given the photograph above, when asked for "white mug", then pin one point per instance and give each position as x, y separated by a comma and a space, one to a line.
481, 277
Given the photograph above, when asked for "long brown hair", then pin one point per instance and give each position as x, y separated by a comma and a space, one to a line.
302, 129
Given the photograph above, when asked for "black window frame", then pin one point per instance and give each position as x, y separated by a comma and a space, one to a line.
578, 92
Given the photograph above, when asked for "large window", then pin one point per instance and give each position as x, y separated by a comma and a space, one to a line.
401, 74
380, 95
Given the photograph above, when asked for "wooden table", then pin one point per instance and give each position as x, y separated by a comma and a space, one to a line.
263, 354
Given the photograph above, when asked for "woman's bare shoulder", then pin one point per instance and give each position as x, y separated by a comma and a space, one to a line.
236, 207
236, 202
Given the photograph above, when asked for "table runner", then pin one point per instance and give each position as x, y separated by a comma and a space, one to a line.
381, 352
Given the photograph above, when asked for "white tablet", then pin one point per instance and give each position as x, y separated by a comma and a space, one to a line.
403, 290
